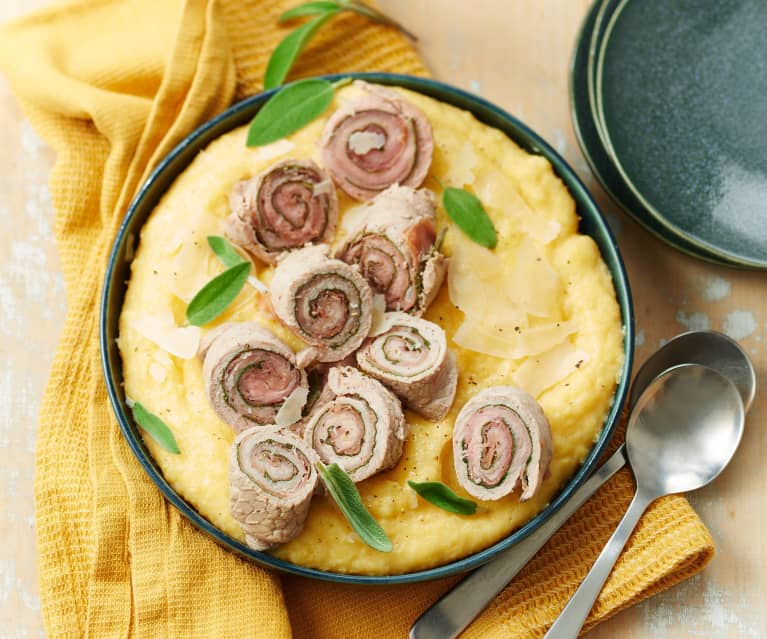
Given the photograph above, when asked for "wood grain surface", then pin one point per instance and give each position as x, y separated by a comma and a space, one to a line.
515, 53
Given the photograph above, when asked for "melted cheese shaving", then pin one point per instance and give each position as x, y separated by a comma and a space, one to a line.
483, 287
460, 173
476, 286
187, 273
511, 342
512, 312
532, 283
292, 407
536, 374
501, 197
181, 341
379, 324
273, 150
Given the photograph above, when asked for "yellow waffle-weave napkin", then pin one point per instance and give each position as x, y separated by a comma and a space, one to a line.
112, 86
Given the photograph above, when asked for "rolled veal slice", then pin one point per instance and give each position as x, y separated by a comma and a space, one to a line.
325, 302
377, 140
501, 439
394, 249
291, 204
410, 356
248, 373
272, 479
356, 423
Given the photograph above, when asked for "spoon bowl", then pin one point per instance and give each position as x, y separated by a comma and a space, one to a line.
682, 432
459, 606
709, 348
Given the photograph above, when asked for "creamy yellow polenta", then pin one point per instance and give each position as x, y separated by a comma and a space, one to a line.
526, 201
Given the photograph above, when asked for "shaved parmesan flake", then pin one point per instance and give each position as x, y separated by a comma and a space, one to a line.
379, 324
257, 284
323, 188
187, 273
157, 372
461, 170
273, 150
290, 411
509, 342
306, 357
162, 330
533, 284
475, 283
472, 259
362, 142
536, 374
498, 192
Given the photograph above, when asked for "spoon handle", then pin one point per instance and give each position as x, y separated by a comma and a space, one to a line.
447, 618
570, 620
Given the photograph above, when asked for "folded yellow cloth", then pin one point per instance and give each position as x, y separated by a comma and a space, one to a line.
112, 86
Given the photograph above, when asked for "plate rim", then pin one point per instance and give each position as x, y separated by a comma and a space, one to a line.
589, 143
182, 154
733, 258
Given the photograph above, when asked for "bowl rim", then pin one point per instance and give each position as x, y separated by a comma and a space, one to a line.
143, 203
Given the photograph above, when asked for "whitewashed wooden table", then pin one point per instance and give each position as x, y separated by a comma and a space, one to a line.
515, 53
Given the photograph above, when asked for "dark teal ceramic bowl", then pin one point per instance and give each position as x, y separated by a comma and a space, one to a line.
118, 273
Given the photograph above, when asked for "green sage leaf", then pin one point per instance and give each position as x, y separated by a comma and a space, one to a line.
289, 109
224, 251
437, 493
286, 52
156, 428
320, 7
345, 493
213, 298
466, 210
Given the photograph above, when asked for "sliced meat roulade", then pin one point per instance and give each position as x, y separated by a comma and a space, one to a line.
248, 373
410, 356
357, 424
272, 479
394, 248
291, 204
325, 302
377, 140
501, 439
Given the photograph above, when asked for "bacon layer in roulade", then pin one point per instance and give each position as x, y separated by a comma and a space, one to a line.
501, 439
272, 479
325, 302
410, 356
357, 424
248, 373
377, 140
394, 249
291, 204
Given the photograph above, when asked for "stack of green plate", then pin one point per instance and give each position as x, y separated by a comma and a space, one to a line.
669, 103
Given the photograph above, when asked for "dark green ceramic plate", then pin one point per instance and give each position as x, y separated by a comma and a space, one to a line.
681, 91
591, 145
583, 112
118, 273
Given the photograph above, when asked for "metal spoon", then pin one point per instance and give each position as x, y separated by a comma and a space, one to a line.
709, 348
457, 608
682, 433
